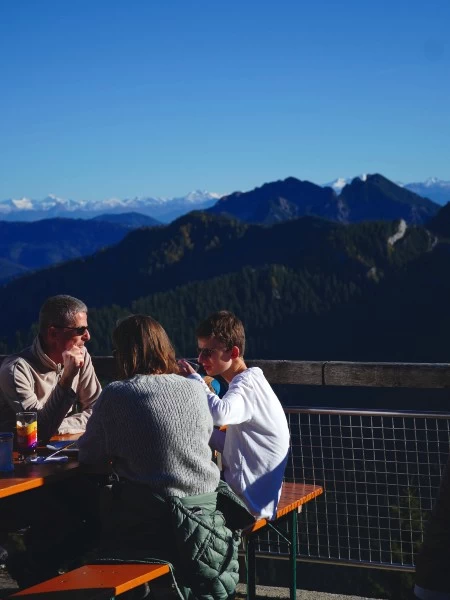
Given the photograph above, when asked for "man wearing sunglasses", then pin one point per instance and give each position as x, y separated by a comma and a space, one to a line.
55, 374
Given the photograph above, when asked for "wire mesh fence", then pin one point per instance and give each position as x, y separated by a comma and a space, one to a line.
381, 473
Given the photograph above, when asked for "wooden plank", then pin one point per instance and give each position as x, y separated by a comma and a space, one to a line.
293, 495
118, 578
28, 477
333, 373
337, 373
290, 371
393, 375
83, 594
276, 371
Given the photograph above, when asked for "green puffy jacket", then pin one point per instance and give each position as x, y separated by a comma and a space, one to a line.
207, 543
198, 536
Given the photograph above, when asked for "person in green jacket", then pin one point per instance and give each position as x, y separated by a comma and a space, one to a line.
154, 426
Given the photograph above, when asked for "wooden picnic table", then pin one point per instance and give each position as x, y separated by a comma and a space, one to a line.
294, 495
28, 476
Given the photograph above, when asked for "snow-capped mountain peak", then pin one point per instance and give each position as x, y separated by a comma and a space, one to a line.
201, 196
433, 188
435, 181
163, 209
339, 184
22, 203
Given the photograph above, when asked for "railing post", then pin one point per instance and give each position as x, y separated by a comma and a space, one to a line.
250, 559
293, 555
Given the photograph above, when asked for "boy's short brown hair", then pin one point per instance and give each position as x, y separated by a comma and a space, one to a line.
225, 327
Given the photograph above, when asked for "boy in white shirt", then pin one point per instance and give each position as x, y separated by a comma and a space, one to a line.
255, 444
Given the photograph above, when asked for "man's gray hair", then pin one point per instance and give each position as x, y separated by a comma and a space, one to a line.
60, 311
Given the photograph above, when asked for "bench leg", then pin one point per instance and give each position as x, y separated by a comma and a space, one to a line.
293, 555
250, 559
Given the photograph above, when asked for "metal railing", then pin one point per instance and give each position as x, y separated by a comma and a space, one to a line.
381, 473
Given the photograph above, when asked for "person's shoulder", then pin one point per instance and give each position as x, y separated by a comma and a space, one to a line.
10, 362
251, 373
192, 382
116, 386
114, 389
15, 371
252, 379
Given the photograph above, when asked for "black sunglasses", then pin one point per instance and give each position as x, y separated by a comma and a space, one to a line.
206, 352
79, 330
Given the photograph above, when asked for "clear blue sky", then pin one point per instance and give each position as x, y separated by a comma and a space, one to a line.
123, 98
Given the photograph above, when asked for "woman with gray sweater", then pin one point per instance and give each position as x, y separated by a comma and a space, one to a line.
153, 426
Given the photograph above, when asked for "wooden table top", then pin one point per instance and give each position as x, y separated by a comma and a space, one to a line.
29, 476
293, 495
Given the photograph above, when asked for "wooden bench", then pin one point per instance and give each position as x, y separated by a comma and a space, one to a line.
94, 582
99, 582
293, 496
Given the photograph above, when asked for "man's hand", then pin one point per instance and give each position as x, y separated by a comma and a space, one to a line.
73, 360
185, 367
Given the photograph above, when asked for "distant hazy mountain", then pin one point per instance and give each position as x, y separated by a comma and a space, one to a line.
433, 188
133, 220
370, 198
30, 246
162, 209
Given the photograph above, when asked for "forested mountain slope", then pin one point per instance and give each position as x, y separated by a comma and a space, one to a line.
287, 282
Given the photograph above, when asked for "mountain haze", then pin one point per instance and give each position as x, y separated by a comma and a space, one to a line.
133, 220
433, 188
30, 246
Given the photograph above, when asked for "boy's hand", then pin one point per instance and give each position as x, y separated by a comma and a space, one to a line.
185, 368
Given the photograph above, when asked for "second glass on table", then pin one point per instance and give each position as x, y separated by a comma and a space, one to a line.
6, 452
27, 435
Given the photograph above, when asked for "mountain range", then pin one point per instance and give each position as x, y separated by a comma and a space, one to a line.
32, 245
27, 246
307, 288
168, 209
364, 199
432, 188
162, 209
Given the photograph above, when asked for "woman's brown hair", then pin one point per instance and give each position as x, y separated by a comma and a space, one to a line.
143, 347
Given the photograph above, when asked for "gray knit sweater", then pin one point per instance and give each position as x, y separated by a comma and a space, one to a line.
156, 430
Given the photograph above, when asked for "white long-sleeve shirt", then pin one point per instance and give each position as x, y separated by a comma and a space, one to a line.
256, 444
